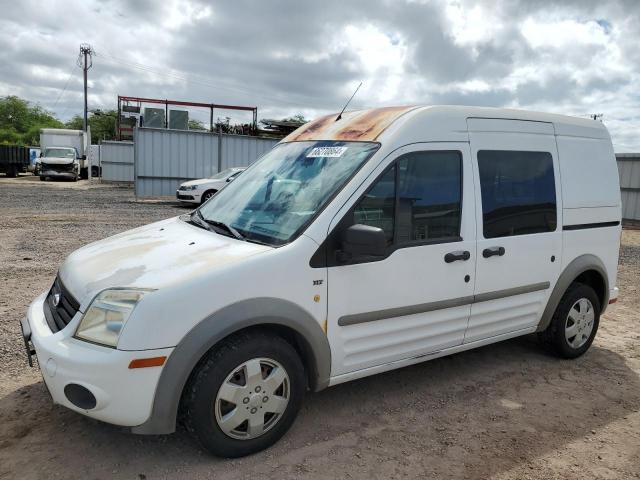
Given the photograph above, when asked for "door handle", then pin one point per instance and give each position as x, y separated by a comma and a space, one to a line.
458, 255
490, 252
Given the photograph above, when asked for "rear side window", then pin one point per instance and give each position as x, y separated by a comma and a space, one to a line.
518, 192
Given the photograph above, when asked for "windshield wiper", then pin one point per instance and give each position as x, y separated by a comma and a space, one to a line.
195, 220
221, 225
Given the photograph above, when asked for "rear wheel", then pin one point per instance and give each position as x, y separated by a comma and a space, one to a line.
245, 394
575, 322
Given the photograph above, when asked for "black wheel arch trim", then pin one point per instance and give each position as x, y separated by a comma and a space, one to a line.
217, 326
572, 271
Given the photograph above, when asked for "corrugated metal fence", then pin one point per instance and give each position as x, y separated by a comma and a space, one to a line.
166, 158
629, 170
117, 161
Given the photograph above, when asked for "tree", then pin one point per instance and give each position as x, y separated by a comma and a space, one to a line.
102, 124
196, 124
299, 118
21, 121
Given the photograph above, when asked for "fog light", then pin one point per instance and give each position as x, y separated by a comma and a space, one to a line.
80, 396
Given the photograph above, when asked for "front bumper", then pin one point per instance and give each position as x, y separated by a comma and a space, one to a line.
123, 396
189, 196
58, 174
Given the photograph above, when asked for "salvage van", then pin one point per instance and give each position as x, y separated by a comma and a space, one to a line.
361, 243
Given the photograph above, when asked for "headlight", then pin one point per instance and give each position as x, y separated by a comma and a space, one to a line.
189, 187
106, 316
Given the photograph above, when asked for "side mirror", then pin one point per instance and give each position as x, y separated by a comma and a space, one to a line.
41, 154
363, 241
84, 157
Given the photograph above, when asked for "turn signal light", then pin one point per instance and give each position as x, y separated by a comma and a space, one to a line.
147, 362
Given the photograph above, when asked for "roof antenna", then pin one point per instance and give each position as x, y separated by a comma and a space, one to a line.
348, 102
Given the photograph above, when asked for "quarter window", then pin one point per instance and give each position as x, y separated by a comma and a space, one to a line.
518, 193
377, 208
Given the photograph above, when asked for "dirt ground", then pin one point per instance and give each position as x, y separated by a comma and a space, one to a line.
506, 411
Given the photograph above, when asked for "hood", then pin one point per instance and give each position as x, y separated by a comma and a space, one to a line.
201, 181
154, 256
57, 160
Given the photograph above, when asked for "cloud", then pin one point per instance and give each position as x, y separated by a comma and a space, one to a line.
575, 57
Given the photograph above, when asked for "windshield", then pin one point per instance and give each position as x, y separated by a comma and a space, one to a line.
60, 152
223, 174
276, 198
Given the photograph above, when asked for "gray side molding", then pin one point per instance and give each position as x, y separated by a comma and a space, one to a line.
257, 311
579, 265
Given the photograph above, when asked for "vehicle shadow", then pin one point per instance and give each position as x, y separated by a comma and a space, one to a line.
471, 415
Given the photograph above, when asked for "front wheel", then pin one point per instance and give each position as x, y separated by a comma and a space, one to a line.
207, 195
245, 394
575, 322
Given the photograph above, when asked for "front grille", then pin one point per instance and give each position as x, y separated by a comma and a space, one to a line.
58, 167
58, 316
184, 197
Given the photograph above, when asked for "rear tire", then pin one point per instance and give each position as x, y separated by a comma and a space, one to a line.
264, 379
575, 322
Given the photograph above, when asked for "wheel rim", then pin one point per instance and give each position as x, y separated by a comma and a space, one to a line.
252, 399
208, 196
579, 323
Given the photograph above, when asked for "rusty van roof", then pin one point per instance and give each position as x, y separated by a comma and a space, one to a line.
361, 125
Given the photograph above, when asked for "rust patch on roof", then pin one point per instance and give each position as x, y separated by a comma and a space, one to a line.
362, 125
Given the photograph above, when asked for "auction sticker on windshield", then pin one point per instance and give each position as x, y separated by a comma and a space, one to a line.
332, 152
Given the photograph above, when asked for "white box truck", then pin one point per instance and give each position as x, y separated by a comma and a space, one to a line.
63, 154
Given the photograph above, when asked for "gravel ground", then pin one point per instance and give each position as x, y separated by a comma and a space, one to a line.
505, 411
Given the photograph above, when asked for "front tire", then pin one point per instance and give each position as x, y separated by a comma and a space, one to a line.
207, 195
575, 322
245, 394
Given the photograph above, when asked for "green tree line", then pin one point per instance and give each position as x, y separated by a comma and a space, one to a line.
21, 121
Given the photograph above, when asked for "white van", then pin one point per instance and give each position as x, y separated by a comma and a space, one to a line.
356, 246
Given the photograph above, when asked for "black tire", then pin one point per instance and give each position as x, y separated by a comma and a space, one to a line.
12, 172
207, 195
554, 337
42, 178
199, 397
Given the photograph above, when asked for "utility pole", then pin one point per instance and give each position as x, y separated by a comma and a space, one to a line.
85, 61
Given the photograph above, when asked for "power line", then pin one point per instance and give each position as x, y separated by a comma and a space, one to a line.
188, 79
66, 84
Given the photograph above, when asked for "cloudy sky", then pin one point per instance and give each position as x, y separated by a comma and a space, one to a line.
574, 57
